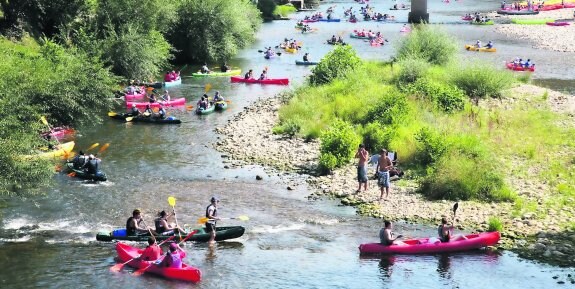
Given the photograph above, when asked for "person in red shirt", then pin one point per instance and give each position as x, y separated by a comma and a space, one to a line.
153, 252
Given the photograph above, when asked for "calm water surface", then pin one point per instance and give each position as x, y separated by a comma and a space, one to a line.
290, 242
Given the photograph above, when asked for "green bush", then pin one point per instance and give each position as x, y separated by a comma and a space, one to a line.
213, 30
289, 127
284, 10
411, 69
327, 162
377, 136
445, 97
389, 109
480, 80
457, 177
428, 43
337, 63
494, 224
339, 141
431, 146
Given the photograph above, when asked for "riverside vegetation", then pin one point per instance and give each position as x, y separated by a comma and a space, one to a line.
64, 59
464, 132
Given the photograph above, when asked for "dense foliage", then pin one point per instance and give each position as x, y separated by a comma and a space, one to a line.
428, 43
338, 145
213, 30
337, 63
64, 86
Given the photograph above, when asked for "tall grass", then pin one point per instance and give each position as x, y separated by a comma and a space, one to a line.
480, 80
494, 224
429, 43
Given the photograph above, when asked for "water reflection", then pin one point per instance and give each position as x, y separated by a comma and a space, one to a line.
443, 265
386, 267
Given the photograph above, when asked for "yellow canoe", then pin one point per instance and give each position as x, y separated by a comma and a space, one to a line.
64, 150
482, 49
291, 50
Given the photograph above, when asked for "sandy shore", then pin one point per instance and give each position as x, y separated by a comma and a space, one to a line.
248, 139
557, 38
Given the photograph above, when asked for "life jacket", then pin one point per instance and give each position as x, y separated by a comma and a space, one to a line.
215, 214
130, 228
173, 260
159, 226
92, 166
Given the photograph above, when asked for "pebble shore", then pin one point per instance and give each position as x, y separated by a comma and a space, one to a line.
248, 139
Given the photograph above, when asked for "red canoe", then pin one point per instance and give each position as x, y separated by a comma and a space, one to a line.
186, 273
421, 246
281, 81
59, 132
512, 66
136, 95
173, 102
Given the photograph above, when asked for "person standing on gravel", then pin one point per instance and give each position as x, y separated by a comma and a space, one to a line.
363, 156
384, 164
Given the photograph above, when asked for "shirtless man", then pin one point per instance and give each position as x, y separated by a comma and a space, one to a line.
384, 164
363, 156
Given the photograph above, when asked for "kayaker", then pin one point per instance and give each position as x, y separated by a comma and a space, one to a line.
152, 98
306, 57
175, 75
333, 39
162, 226
152, 252
445, 230
79, 161
93, 165
173, 257
489, 44
263, 76
148, 111
249, 74
340, 40
134, 111
527, 63
363, 156
384, 164
133, 227
205, 69
166, 96
386, 236
218, 97
212, 215
225, 67
478, 44
168, 77
161, 112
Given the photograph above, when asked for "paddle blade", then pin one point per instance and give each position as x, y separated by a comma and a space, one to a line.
117, 267
207, 87
203, 220
43, 119
93, 146
111, 113
149, 88
72, 174
172, 201
189, 107
104, 147
455, 206
243, 218
141, 271
128, 119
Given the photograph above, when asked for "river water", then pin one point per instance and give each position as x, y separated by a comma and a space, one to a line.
290, 241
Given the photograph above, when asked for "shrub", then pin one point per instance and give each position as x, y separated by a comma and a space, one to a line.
377, 136
457, 177
411, 69
289, 127
284, 10
428, 43
494, 224
390, 109
445, 97
327, 162
431, 146
339, 141
482, 80
337, 63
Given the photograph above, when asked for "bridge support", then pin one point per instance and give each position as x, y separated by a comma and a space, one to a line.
418, 12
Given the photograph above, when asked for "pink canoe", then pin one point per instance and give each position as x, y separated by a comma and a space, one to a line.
281, 81
173, 102
422, 246
59, 132
514, 67
310, 20
136, 95
186, 273
558, 23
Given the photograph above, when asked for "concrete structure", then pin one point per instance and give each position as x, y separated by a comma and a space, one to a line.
418, 12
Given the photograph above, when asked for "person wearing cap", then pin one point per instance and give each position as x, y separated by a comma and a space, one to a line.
93, 165
133, 227
212, 215
79, 161
173, 258
163, 227
152, 252
135, 111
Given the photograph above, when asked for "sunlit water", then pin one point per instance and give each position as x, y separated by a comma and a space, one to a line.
290, 242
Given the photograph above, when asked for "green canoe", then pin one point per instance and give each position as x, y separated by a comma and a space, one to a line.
206, 111
532, 21
222, 233
215, 73
100, 176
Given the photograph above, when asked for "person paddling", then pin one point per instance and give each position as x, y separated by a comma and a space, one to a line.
212, 215
306, 57
225, 67
133, 227
205, 69
93, 165
161, 112
152, 252
134, 111
148, 111
249, 74
79, 161
386, 236
166, 96
445, 230
162, 226
218, 97
173, 258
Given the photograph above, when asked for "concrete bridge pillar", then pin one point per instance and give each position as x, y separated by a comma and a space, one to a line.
418, 12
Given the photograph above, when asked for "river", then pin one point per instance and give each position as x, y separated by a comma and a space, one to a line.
290, 241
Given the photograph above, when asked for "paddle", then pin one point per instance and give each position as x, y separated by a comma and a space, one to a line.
143, 270
118, 267
172, 202
103, 148
205, 219
44, 121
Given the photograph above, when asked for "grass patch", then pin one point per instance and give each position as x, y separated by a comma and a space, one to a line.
494, 224
284, 10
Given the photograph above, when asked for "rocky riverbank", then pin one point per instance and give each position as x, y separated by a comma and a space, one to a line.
540, 234
557, 38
